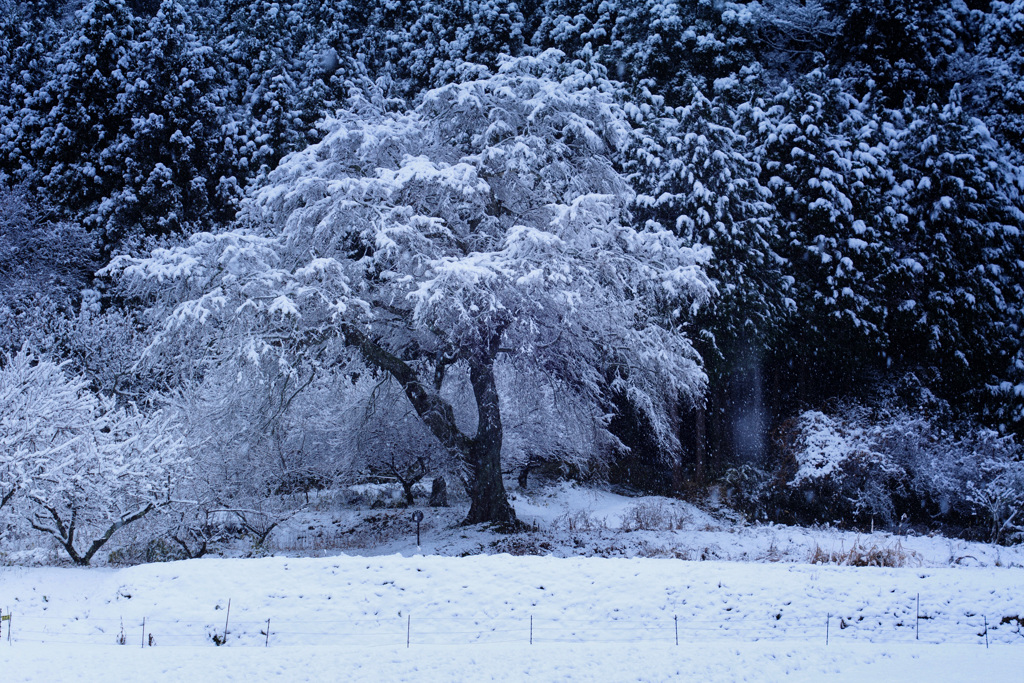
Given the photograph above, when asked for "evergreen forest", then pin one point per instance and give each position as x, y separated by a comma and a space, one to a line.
766, 250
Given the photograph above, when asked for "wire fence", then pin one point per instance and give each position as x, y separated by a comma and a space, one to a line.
906, 626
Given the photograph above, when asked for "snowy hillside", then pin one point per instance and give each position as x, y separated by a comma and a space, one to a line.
568, 520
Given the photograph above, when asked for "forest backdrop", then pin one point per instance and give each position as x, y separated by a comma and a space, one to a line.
253, 248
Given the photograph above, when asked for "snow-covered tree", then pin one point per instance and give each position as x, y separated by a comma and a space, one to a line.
484, 232
85, 466
698, 178
664, 44
793, 33
43, 266
961, 250
825, 162
694, 174
170, 177
25, 47
78, 123
1003, 32
902, 48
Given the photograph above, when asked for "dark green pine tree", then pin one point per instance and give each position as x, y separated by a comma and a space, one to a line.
170, 182
81, 118
485, 31
261, 42
698, 179
910, 48
670, 44
1003, 103
963, 259
695, 176
329, 64
576, 27
664, 44
29, 39
825, 163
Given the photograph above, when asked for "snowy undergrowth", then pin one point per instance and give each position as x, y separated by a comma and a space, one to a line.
570, 520
565, 520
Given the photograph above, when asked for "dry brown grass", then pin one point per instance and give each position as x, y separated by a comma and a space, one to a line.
579, 521
653, 516
861, 555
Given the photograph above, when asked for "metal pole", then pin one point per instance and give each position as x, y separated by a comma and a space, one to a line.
408, 630
268, 634
828, 618
917, 633
226, 617
676, 619
143, 645
531, 629
986, 632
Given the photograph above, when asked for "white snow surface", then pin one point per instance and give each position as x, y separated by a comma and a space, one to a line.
441, 618
395, 612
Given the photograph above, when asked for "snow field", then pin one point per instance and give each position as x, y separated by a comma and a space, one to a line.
704, 661
593, 619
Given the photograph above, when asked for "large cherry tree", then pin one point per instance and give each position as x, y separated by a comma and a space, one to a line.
482, 234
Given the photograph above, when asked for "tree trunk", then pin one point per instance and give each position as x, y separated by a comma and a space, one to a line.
482, 454
488, 500
439, 493
700, 444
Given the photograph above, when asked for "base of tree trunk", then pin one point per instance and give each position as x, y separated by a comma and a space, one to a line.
497, 512
439, 493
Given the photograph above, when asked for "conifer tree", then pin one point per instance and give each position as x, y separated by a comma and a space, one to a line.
962, 256
81, 118
171, 158
824, 169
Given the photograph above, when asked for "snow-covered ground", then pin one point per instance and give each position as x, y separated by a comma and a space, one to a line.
573, 521
441, 618
619, 578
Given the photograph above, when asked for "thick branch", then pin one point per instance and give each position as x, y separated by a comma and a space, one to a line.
124, 521
58, 531
435, 412
189, 553
66, 535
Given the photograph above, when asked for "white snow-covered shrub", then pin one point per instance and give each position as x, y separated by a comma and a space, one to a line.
841, 470
80, 466
984, 479
887, 466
